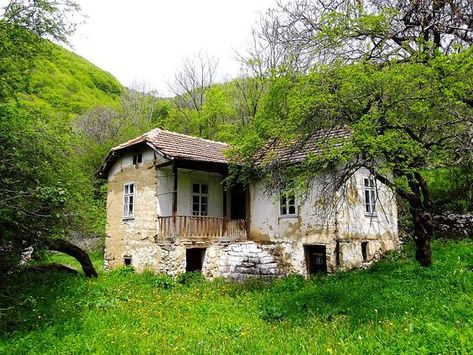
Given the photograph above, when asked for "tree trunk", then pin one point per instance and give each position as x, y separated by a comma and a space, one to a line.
423, 230
80, 255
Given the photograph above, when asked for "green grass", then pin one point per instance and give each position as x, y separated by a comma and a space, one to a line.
394, 307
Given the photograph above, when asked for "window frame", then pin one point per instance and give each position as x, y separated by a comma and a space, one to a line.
200, 195
126, 201
286, 197
370, 196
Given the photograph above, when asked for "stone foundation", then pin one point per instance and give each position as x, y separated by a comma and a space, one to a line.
249, 259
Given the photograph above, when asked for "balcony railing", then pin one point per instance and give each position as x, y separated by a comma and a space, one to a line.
205, 227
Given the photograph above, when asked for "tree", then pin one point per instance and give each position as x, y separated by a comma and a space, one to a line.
138, 105
190, 86
404, 99
306, 32
40, 185
55, 20
403, 120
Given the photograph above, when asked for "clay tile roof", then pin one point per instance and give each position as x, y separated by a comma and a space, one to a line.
179, 146
182, 147
276, 152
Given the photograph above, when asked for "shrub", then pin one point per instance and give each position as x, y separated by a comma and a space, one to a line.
190, 278
164, 281
123, 271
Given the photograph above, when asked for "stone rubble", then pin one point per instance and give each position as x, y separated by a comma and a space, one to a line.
454, 225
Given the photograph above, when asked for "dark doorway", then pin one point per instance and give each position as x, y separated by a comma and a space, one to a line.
194, 259
316, 259
238, 202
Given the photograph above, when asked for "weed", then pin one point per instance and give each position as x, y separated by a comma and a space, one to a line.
393, 307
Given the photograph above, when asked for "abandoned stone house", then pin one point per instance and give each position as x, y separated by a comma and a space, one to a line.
168, 211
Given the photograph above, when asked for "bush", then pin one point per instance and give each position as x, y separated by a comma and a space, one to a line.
190, 278
123, 271
164, 281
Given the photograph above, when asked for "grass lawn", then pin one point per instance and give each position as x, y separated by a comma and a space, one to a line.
393, 307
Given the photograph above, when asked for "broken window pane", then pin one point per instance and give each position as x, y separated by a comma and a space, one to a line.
292, 210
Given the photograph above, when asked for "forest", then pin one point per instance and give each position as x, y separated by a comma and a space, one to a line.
398, 73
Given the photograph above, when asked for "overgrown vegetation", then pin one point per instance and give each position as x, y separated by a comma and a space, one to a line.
396, 306
60, 114
46, 190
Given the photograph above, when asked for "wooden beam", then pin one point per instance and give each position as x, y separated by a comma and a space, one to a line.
220, 168
224, 227
174, 196
248, 211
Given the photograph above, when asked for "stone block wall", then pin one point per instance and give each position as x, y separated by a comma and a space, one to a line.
246, 260
454, 225
249, 259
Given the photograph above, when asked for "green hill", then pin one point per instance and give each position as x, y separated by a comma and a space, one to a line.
66, 83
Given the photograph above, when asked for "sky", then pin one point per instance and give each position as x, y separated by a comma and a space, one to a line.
143, 43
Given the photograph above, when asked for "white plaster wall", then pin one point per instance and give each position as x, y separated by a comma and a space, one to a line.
355, 226
126, 161
184, 191
325, 219
315, 216
164, 194
352, 219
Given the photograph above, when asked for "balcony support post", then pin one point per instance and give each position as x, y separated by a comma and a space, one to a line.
224, 223
174, 198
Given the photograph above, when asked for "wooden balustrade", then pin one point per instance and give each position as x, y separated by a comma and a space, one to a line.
196, 226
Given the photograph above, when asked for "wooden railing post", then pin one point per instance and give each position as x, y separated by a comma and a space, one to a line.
197, 226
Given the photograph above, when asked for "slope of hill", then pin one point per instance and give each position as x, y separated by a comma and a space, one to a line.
66, 82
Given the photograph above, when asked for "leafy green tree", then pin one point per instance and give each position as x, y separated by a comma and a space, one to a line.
406, 99
40, 183
404, 119
218, 114
55, 20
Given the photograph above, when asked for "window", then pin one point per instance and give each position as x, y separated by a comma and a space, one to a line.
127, 260
370, 197
200, 199
129, 201
287, 205
137, 159
364, 251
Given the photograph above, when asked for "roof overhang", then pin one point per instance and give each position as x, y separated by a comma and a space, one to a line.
183, 163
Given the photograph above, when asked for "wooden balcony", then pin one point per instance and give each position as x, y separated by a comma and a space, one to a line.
194, 227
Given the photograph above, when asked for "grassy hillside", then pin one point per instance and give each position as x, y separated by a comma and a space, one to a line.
394, 307
67, 83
